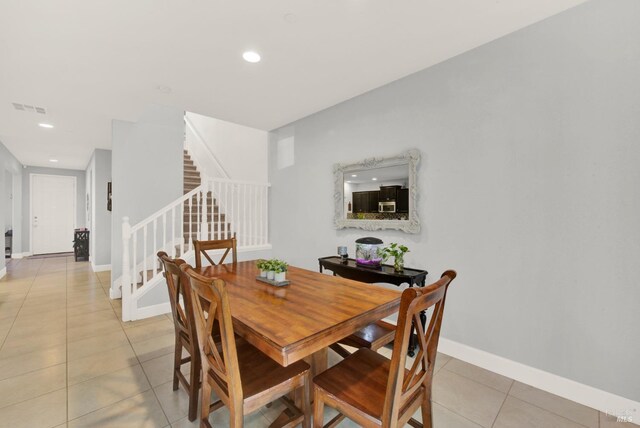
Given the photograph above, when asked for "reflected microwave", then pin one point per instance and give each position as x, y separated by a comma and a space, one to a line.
386, 207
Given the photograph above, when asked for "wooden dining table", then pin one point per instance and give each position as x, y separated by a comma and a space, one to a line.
300, 320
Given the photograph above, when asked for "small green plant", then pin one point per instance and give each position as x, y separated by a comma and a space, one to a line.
262, 264
397, 252
394, 250
279, 266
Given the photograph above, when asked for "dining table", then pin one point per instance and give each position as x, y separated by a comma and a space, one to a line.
300, 320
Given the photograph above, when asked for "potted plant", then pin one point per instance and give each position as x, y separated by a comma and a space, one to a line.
397, 252
262, 264
270, 267
280, 269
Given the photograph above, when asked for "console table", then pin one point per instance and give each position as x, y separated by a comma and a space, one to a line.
384, 273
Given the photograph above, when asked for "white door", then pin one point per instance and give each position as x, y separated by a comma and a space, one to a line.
53, 213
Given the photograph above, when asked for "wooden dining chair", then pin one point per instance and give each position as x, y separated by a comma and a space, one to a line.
201, 248
242, 376
374, 391
185, 328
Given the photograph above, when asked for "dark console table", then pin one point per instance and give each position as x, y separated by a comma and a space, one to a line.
384, 273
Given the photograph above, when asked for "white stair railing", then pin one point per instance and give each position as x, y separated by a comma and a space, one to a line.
244, 210
216, 209
201, 154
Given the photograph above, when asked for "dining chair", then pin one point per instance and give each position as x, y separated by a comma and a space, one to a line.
201, 248
243, 378
374, 391
185, 328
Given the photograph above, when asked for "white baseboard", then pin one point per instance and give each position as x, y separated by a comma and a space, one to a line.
153, 310
115, 294
3, 272
100, 268
558, 385
20, 255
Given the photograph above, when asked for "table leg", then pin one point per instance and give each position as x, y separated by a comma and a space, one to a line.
413, 344
319, 362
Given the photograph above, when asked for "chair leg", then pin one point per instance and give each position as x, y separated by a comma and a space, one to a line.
427, 421
194, 386
318, 408
205, 402
177, 358
306, 401
236, 415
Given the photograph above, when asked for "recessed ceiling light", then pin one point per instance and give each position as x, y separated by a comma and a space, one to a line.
374, 179
53, 160
164, 89
354, 175
251, 56
290, 18
45, 125
348, 181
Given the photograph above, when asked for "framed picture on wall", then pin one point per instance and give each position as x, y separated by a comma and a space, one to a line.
109, 196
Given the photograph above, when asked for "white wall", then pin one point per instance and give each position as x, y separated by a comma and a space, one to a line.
10, 166
147, 170
98, 174
528, 188
242, 151
7, 201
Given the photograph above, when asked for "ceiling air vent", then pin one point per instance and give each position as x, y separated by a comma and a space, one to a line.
29, 108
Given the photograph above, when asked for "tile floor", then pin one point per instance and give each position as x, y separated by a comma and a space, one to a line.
66, 360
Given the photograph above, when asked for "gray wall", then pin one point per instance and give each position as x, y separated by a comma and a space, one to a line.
9, 165
81, 201
147, 170
528, 188
98, 175
7, 201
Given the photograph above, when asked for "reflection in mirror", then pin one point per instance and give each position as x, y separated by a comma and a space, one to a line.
378, 193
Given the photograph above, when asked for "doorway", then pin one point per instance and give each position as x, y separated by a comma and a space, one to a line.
53, 213
8, 214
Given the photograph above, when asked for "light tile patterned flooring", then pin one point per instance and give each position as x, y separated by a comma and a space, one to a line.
66, 360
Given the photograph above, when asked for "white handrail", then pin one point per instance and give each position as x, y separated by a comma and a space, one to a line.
228, 180
217, 209
207, 150
167, 208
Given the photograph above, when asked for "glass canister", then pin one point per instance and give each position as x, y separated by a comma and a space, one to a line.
369, 252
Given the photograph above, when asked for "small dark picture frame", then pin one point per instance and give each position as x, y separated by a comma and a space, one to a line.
109, 196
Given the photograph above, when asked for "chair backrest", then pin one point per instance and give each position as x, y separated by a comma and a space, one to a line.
201, 248
211, 311
180, 308
403, 384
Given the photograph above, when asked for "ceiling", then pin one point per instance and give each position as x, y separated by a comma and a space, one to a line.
381, 175
88, 62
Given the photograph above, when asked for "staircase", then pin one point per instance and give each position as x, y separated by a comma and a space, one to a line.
191, 180
191, 175
210, 208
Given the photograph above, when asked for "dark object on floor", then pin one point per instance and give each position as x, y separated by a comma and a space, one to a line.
8, 240
81, 245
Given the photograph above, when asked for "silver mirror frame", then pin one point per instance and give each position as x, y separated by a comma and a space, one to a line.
410, 157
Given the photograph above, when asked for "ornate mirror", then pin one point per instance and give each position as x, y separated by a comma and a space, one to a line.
378, 193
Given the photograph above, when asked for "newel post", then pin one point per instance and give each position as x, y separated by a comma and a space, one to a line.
126, 270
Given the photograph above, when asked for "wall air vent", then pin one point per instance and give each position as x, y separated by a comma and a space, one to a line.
29, 108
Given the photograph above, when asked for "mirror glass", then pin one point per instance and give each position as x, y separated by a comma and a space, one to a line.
378, 193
